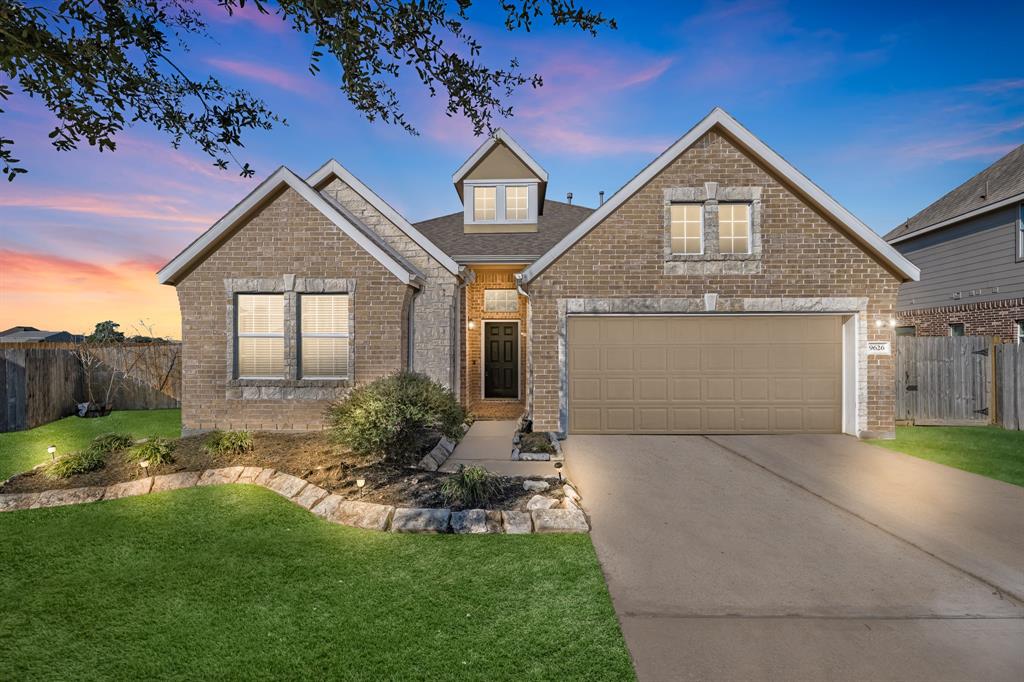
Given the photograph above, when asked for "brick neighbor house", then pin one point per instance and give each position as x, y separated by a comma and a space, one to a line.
970, 247
718, 291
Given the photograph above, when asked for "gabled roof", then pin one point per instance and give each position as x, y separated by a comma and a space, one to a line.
499, 137
554, 222
860, 232
999, 185
366, 238
334, 169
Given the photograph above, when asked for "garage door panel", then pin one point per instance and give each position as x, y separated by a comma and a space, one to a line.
699, 374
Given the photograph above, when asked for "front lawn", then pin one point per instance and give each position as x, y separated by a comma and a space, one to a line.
22, 450
986, 450
235, 582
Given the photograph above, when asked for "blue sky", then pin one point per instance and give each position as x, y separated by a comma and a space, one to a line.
885, 106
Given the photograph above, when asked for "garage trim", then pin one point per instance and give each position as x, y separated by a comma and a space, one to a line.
854, 371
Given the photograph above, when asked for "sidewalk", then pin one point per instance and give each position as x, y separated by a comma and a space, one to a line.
488, 444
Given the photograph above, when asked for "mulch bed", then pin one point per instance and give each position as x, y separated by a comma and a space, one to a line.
311, 456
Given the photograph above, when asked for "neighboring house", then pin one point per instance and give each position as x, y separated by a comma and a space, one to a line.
32, 335
970, 247
718, 291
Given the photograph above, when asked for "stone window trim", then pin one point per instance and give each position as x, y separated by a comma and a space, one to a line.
711, 303
292, 386
712, 261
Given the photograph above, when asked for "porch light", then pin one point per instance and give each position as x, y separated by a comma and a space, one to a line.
52, 450
879, 323
892, 322
471, 325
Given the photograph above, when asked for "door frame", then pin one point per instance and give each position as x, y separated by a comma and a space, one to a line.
483, 359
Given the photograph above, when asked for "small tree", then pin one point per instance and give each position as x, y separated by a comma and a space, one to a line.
106, 332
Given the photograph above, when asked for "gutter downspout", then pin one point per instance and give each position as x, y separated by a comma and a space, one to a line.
529, 344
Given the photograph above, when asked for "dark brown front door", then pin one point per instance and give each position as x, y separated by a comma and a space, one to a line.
501, 360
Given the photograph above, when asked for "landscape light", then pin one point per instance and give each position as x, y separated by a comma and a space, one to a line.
145, 466
52, 450
558, 470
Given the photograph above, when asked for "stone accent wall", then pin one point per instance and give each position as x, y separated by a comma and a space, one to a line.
803, 255
992, 318
287, 237
472, 377
434, 318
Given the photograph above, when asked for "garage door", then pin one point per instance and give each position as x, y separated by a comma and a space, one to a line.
693, 374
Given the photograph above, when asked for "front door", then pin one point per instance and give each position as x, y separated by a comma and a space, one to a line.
501, 360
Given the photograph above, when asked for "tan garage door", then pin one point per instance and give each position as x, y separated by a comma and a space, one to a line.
692, 374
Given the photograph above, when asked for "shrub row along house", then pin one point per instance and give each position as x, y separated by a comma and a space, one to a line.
970, 247
718, 291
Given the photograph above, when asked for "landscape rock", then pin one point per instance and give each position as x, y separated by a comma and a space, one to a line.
249, 474
184, 479
540, 502
417, 520
534, 456
361, 514
16, 501
264, 476
517, 522
569, 503
286, 485
220, 476
325, 507
476, 521
309, 496
570, 492
59, 498
536, 486
560, 521
140, 486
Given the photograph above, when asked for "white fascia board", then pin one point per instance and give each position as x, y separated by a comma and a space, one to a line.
282, 176
332, 167
1002, 203
499, 136
718, 116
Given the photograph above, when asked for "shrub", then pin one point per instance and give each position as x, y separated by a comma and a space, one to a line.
156, 451
395, 417
536, 441
471, 487
81, 462
112, 442
228, 442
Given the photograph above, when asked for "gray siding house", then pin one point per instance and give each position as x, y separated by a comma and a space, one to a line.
970, 247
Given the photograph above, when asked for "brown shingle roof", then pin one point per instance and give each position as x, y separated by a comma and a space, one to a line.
557, 220
1001, 180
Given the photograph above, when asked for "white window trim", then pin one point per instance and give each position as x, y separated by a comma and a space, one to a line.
469, 187
700, 208
529, 203
260, 335
1019, 324
750, 228
1020, 232
323, 335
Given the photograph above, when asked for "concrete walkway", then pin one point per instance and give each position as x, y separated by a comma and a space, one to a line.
488, 444
797, 558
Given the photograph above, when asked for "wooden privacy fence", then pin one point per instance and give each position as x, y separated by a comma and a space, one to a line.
41, 382
959, 381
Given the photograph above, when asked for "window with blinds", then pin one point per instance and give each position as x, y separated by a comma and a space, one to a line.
259, 329
324, 334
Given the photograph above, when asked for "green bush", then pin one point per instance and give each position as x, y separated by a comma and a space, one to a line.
156, 451
471, 487
81, 462
112, 442
396, 416
228, 442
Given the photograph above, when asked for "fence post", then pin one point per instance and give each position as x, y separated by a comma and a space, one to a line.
993, 391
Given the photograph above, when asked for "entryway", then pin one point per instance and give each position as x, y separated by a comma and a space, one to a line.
501, 359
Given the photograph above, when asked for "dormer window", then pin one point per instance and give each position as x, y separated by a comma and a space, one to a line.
517, 202
485, 204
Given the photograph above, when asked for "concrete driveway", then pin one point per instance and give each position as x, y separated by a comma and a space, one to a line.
804, 557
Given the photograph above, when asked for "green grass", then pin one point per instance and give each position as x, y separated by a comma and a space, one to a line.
233, 582
986, 450
22, 450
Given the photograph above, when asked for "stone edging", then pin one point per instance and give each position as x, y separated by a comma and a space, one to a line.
433, 460
333, 508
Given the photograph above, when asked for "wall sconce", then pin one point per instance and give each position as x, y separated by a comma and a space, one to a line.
52, 450
471, 325
892, 322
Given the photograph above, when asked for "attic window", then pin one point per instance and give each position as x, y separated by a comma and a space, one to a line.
517, 202
485, 203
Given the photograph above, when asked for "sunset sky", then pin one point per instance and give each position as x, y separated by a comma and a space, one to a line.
886, 107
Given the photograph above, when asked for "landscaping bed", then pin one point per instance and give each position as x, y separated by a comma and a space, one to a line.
310, 456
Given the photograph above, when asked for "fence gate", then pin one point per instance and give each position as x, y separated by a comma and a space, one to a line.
944, 380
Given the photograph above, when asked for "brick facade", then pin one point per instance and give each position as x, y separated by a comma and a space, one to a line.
472, 356
286, 237
803, 256
991, 318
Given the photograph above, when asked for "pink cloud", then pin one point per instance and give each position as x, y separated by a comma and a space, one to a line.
129, 206
279, 78
250, 14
